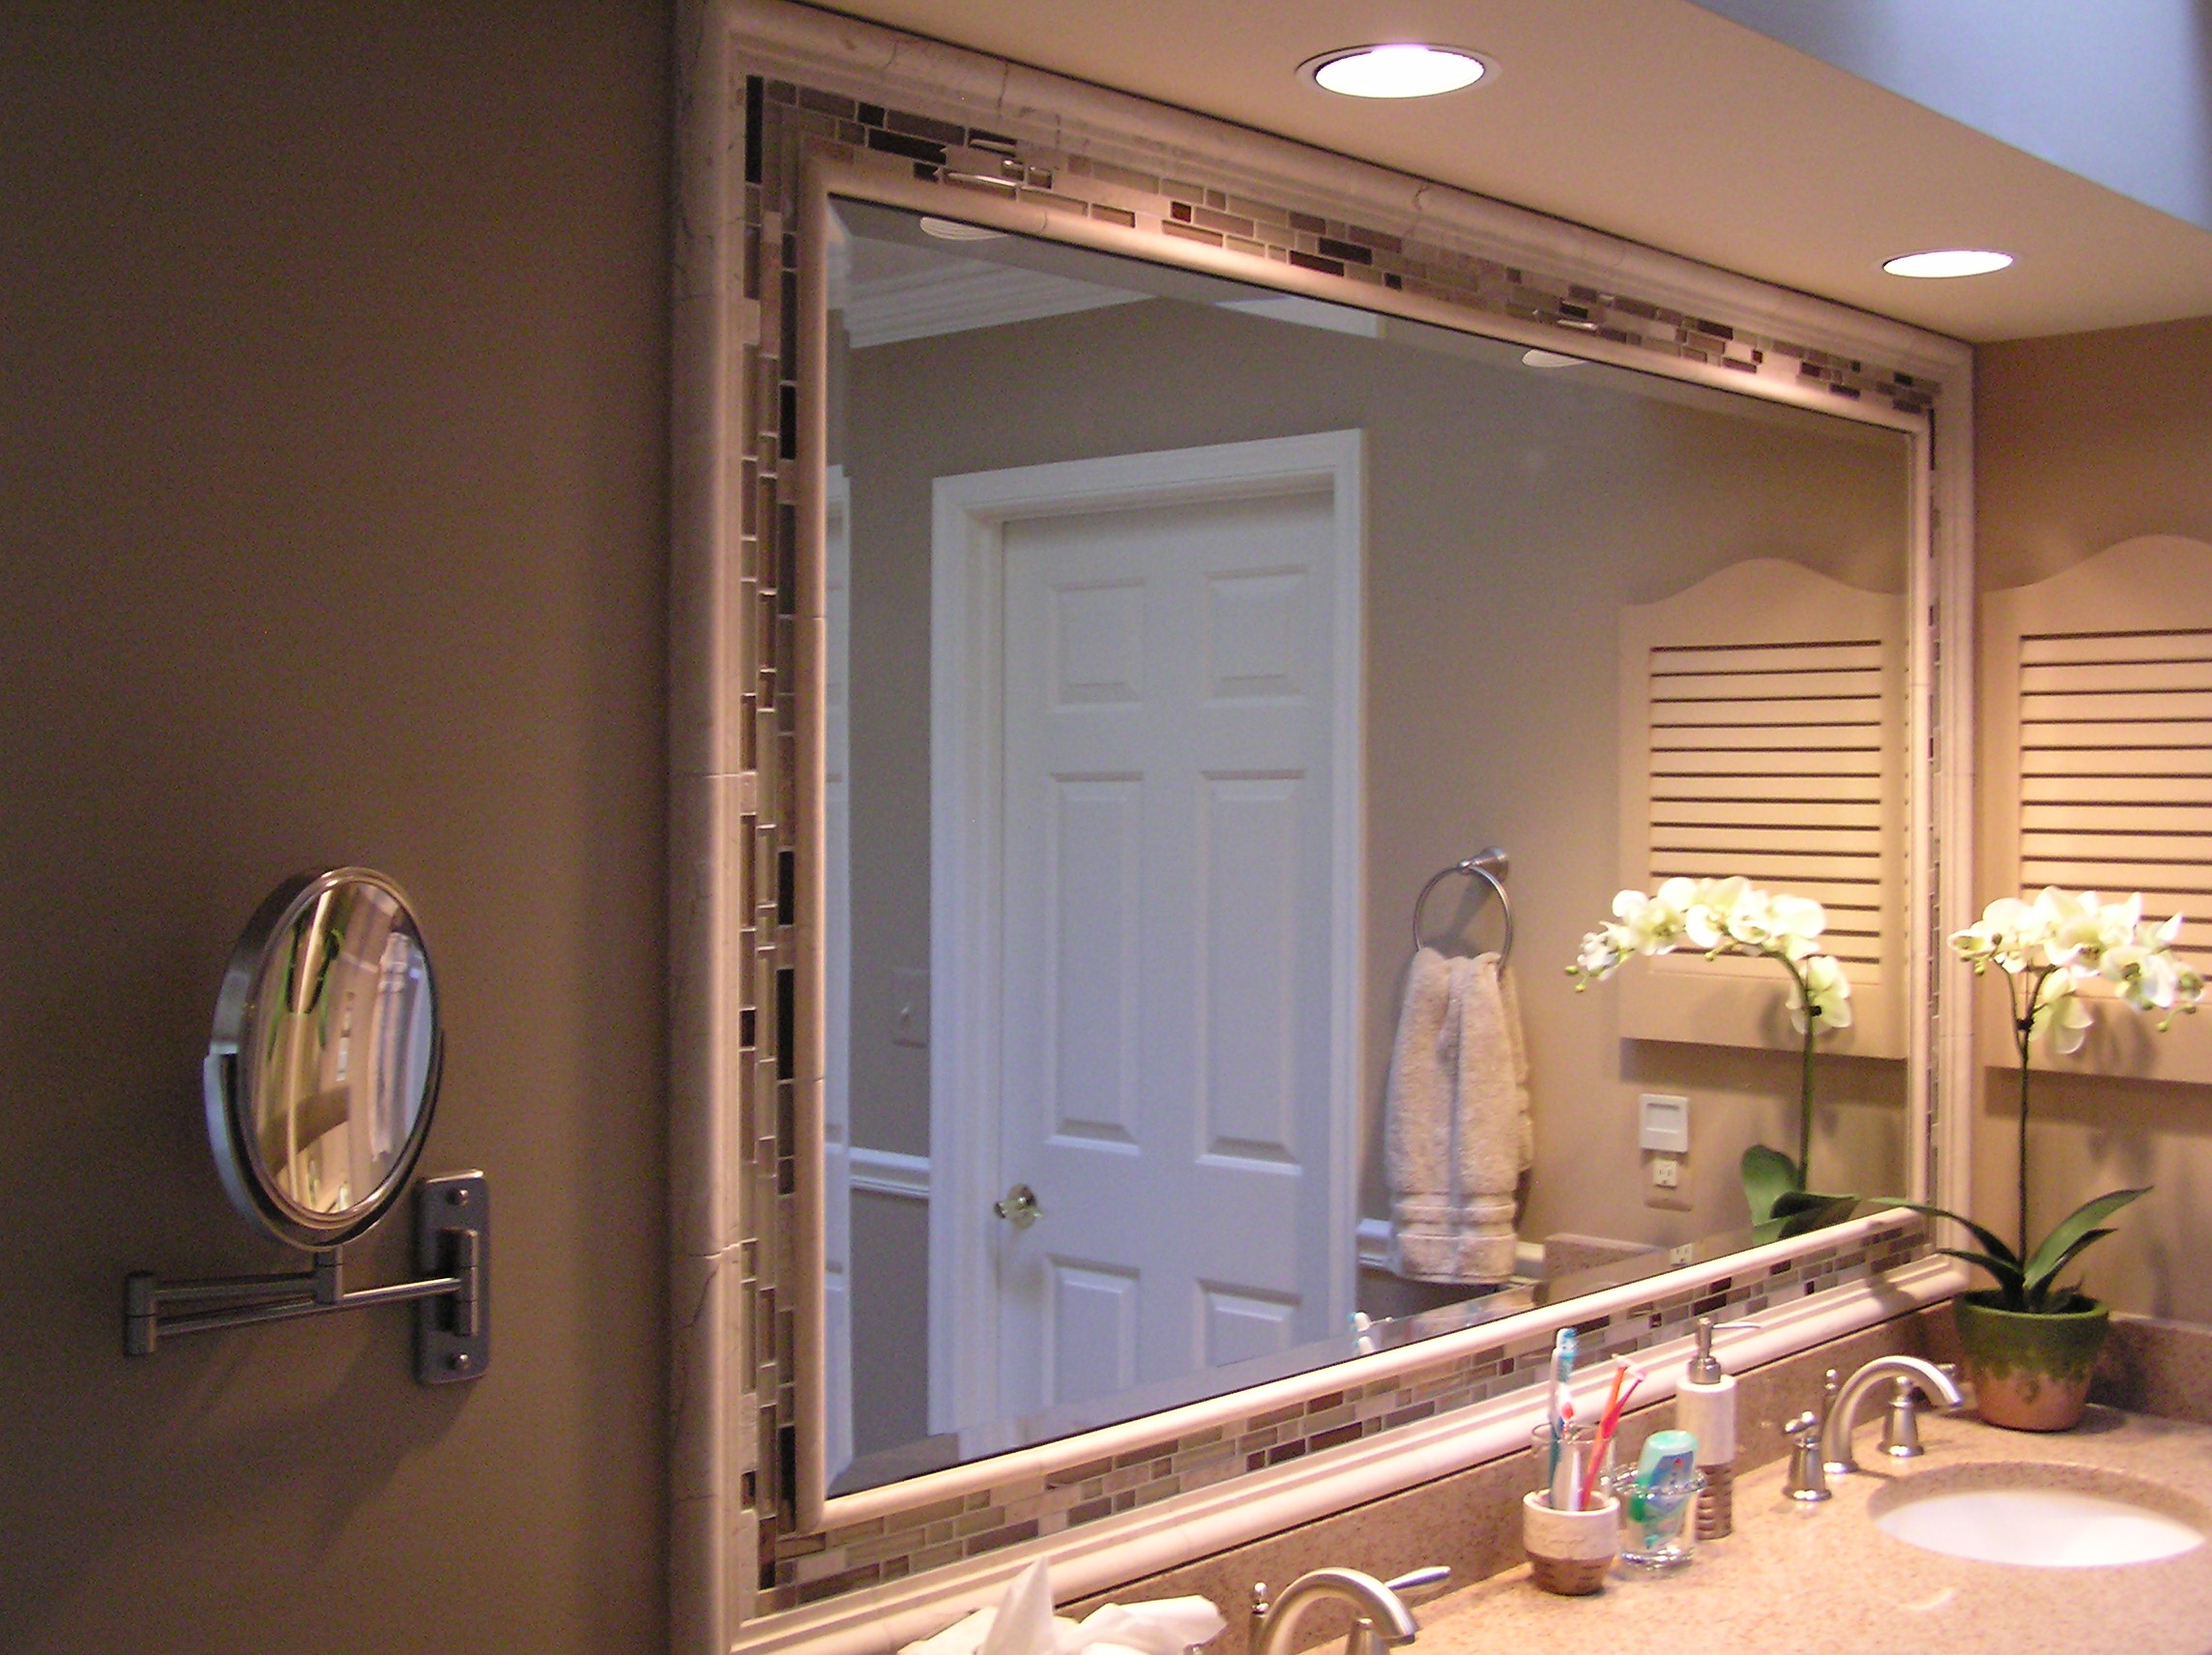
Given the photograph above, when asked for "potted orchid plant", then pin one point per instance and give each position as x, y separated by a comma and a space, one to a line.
2031, 1341
1734, 916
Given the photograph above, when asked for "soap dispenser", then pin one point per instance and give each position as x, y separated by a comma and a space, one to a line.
1704, 1405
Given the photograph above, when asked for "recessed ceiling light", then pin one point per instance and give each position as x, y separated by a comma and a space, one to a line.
1549, 358
1398, 70
1954, 261
953, 230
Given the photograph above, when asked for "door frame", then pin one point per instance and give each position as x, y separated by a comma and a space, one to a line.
969, 520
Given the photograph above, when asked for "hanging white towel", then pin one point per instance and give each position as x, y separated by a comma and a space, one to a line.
1489, 1118
1457, 1134
1417, 1129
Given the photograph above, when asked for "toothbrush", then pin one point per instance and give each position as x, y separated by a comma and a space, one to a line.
1609, 1422
1562, 1414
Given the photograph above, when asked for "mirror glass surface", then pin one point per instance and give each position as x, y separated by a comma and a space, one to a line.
1180, 633
335, 1049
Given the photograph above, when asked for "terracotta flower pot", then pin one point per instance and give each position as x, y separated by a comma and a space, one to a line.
2030, 1372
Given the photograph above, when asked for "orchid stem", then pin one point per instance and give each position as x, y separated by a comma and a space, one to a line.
2024, 1031
1804, 1074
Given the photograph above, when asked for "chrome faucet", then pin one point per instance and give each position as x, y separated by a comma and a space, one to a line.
1384, 1618
1836, 1431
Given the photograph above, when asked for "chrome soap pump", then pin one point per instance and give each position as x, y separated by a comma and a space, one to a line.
1704, 1405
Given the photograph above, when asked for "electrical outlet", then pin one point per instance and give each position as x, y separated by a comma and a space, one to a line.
1666, 1171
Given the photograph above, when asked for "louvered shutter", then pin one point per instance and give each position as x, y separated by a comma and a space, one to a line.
2097, 768
1761, 720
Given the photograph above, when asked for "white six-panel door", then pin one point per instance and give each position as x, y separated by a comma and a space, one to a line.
1160, 977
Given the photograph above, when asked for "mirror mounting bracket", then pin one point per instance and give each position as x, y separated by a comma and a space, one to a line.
452, 1298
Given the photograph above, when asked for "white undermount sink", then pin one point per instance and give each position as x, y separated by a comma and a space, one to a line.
2042, 1517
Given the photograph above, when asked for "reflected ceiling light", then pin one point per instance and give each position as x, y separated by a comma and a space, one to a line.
1402, 70
1954, 261
1549, 358
953, 230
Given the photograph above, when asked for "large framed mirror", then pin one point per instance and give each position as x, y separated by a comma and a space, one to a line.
1145, 687
1183, 637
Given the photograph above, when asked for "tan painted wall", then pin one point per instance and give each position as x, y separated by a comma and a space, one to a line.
2081, 442
1511, 513
334, 460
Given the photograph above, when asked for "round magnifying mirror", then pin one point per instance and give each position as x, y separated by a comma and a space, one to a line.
323, 1072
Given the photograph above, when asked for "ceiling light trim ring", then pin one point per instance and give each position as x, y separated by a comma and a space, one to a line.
1379, 58
1947, 264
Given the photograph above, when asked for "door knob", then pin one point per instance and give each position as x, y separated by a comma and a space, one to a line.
1020, 1208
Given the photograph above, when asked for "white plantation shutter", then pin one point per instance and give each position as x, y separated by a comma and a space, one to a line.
2097, 768
1762, 718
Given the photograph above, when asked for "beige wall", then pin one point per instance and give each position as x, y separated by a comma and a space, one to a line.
334, 460
2081, 442
1512, 515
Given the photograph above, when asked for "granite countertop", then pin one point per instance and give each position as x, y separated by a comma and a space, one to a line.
1824, 1576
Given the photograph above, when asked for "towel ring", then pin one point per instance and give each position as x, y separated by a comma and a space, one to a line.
1489, 866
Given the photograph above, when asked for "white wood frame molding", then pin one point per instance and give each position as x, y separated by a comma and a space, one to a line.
971, 515
723, 1218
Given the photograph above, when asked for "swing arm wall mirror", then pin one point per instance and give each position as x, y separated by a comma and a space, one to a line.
319, 1084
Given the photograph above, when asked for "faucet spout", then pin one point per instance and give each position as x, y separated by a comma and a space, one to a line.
1377, 1606
1836, 1433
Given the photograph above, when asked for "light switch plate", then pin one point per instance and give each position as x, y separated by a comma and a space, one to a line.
1663, 1123
910, 1007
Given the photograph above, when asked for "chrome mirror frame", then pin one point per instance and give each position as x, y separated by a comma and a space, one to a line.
228, 1077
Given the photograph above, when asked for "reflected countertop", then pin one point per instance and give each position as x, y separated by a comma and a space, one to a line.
1823, 1577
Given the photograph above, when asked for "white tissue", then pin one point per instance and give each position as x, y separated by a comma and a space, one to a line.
1023, 1624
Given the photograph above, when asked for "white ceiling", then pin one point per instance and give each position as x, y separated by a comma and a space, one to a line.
1651, 119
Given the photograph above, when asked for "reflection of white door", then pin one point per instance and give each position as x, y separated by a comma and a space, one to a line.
837, 974
1156, 991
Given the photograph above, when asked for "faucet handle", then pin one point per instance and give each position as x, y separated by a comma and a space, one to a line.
1807, 1479
1416, 1582
1901, 1427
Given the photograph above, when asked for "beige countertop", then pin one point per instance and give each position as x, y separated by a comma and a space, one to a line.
1824, 1578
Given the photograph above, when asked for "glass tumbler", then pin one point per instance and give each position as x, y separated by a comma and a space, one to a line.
1658, 1528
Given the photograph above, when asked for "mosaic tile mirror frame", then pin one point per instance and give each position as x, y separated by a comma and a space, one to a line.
778, 106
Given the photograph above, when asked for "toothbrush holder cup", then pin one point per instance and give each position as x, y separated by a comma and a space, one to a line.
1569, 1552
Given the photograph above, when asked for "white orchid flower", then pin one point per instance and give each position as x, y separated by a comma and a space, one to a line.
1829, 991
1706, 917
2080, 928
2149, 978
1601, 954
1647, 924
2062, 1018
1796, 923
2008, 931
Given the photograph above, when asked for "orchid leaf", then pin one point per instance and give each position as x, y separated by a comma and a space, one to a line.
2006, 1272
1992, 1243
2041, 1287
1802, 1211
2059, 1245
1768, 1174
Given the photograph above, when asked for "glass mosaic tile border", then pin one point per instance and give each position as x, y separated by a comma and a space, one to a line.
775, 122
811, 1567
